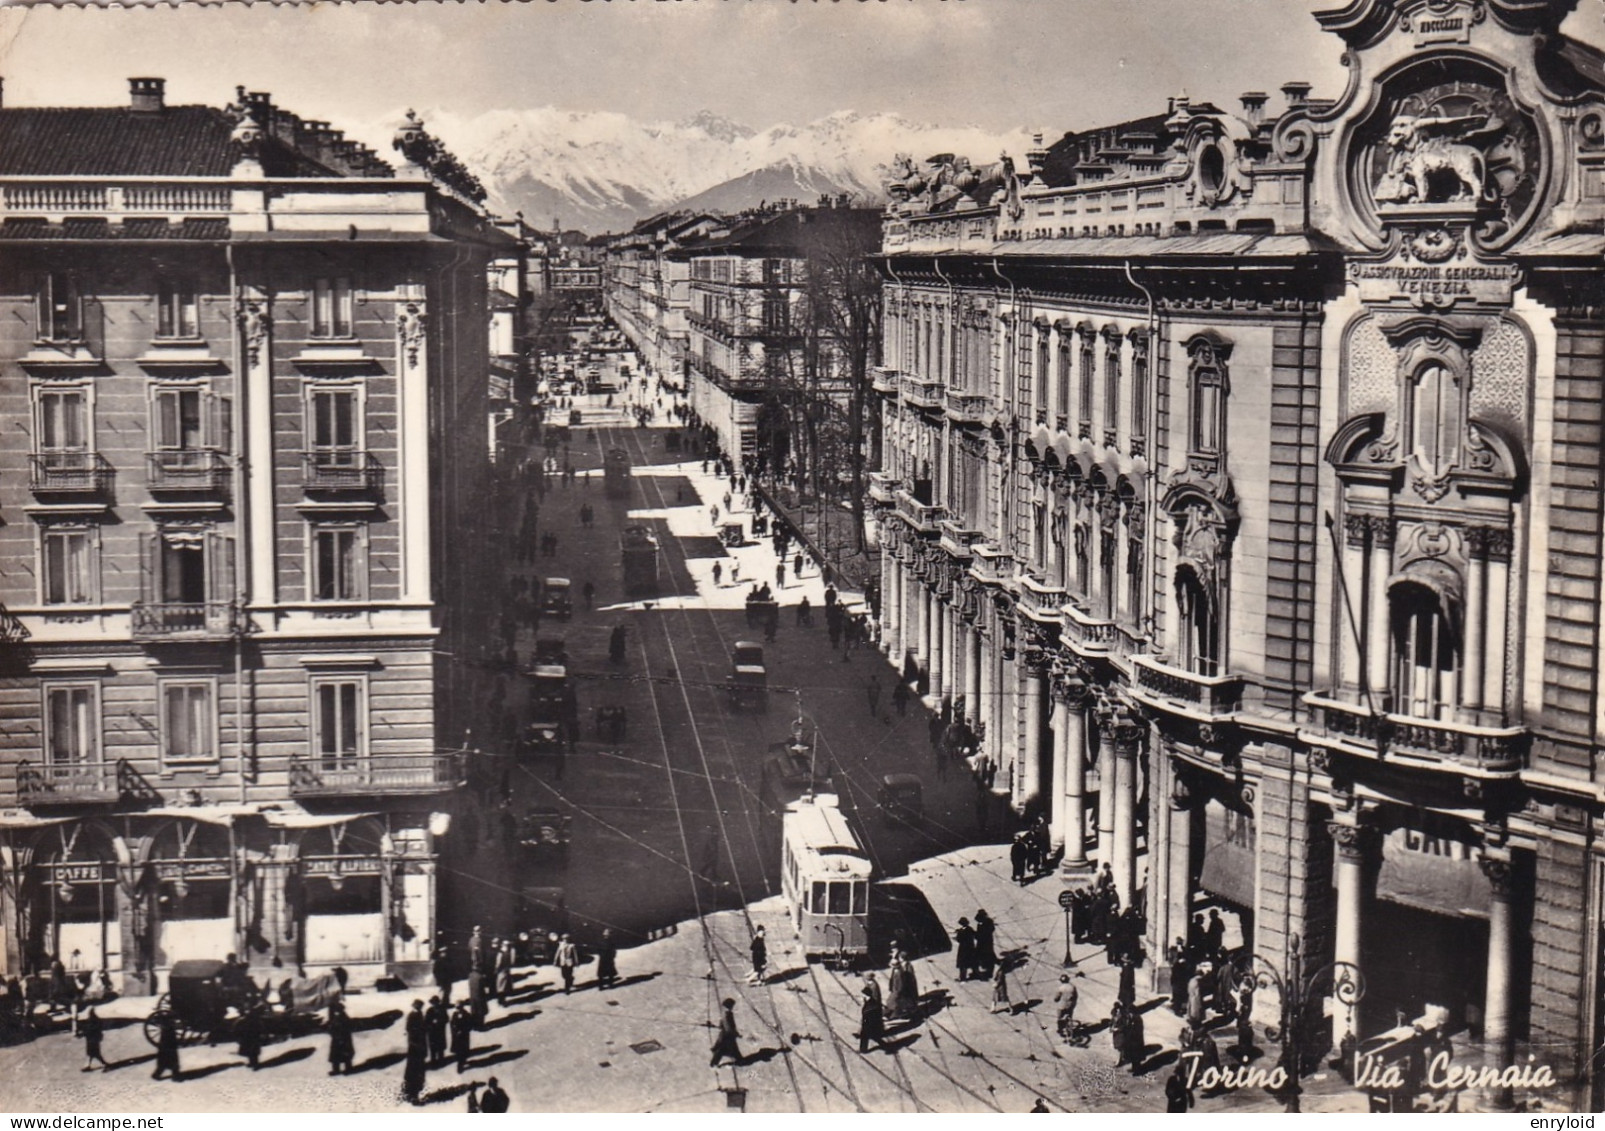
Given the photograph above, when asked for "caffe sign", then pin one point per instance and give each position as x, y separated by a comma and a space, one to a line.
78, 873
331, 866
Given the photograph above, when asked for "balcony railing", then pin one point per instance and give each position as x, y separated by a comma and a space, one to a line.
1087, 634
375, 773
884, 379
991, 565
922, 516
202, 620
85, 473
922, 392
52, 197
68, 783
967, 408
883, 487
1490, 749
340, 471
1040, 601
188, 469
1158, 681
957, 538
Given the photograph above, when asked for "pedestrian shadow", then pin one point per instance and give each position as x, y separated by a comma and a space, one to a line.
785, 976
445, 1095
761, 1056
511, 1018
1012, 960
635, 980
498, 1058
376, 1063
129, 1062
483, 1050
210, 1070
378, 1021
1165, 1058
900, 1044
288, 1056
1150, 1006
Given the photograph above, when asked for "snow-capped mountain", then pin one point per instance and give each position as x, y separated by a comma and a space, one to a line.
602, 171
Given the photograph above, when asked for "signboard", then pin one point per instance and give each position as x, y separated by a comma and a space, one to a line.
343, 866
1228, 870
1435, 285
1067, 900
78, 872
168, 870
1433, 866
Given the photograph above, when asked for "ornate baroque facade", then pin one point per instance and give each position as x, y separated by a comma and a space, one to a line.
1241, 485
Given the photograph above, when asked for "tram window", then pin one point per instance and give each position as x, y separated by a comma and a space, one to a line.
819, 898
860, 899
841, 899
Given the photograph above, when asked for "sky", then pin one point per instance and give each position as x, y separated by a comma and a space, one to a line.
997, 64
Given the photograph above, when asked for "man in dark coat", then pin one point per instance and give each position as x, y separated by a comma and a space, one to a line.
871, 1021
964, 945
1126, 994
1135, 1040
494, 1101
1017, 855
725, 1043
607, 961
417, 1066
760, 957
442, 967
462, 1035
342, 1049
436, 1021
1215, 934
1177, 1097
93, 1030
1180, 971
248, 1032
166, 1048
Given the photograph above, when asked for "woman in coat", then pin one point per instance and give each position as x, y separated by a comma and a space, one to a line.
1000, 990
909, 1004
342, 1048
895, 977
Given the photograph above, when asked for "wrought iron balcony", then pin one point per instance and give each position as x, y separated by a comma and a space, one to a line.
1162, 685
1087, 634
967, 408
957, 538
1457, 745
79, 473
187, 470
922, 392
374, 773
883, 488
340, 471
922, 516
883, 378
991, 565
1039, 601
66, 783
201, 620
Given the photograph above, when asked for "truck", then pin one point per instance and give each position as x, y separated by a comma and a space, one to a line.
638, 555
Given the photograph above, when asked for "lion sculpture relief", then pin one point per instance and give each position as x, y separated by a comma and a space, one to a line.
1431, 160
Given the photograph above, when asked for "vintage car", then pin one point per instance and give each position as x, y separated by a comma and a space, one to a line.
557, 598
748, 682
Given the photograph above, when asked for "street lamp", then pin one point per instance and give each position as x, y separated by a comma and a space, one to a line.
1296, 991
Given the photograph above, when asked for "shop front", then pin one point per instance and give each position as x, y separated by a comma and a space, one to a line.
342, 894
190, 878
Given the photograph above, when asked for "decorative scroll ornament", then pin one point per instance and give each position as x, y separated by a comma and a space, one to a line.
410, 324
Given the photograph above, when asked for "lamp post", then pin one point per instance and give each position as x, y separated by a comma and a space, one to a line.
1296, 991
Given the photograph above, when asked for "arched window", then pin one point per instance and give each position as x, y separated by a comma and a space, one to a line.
1435, 424
1426, 652
1199, 643
1206, 433
1087, 364
1111, 385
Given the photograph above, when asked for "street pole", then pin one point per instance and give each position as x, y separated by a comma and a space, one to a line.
1067, 901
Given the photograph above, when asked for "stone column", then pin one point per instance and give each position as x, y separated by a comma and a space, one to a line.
1496, 1030
891, 603
986, 668
1059, 725
973, 701
1379, 643
1128, 736
1348, 876
1070, 825
922, 638
1106, 788
1472, 661
1179, 880
1497, 606
950, 657
937, 671
1353, 565
1033, 704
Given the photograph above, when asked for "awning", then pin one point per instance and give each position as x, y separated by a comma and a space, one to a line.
1229, 859
210, 814
301, 819
22, 819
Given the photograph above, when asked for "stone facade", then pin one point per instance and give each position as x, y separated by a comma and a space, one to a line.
1241, 489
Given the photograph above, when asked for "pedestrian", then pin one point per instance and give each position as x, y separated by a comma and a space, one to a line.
493, 1102
1064, 1006
462, 1035
985, 943
1195, 1001
873, 691
725, 1043
805, 616
895, 975
797, 565
900, 698
1178, 1097
478, 997
1126, 991
504, 971
417, 1063
1000, 990
1180, 971
615, 644
908, 1001
437, 1020
1215, 934
830, 596
964, 947
588, 591
342, 1049
566, 959
1017, 854
1119, 1024
166, 1047
871, 1019
248, 1035
93, 1030
718, 572
760, 957
780, 574
607, 958
476, 950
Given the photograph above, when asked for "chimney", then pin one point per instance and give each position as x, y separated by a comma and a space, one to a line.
1298, 93
1254, 106
145, 95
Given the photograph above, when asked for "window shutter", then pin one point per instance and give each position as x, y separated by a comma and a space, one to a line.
150, 567
220, 567
220, 423
167, 428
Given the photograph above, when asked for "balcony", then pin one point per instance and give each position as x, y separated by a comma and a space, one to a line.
71, 783
991, 566
186, 471
201, 620
1040, 602
340, 471
1161, 685
921, 516
956, 538
75, 473
967, 408
883, 379
1455, 745
376, 773
1089, 635
883, 488
922, 392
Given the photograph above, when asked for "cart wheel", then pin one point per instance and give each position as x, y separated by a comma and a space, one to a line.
153, 1026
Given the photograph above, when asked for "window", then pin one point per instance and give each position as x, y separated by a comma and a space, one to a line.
183, 570
1139, 390
61, 308
1426, 653
1087, 366
72, 724
331, 308
338, 572
1062, 398
1111, 385
841, 898
177, 312
63, 419
1042, 366
1200, 628
1207, 378
337, 722
189, 725
335, 426
67, 574
1435, 418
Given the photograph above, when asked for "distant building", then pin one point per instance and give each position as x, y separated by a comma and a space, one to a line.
243, 378
648, 291
1241, 486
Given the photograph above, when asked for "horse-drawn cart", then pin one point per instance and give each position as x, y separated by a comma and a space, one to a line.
206, 1000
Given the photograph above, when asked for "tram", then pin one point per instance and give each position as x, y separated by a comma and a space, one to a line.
616, 473
825, 878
